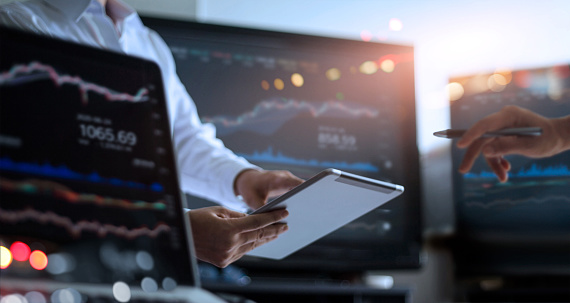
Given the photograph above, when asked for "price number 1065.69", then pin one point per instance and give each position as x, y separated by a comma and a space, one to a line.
108, 134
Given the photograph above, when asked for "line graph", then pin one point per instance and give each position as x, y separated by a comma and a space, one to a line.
515, 202
48, 188
36, 71
533, 172
269, 115
63, 172
76, 229
269, 156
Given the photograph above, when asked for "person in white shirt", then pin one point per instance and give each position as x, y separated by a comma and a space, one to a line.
207, 168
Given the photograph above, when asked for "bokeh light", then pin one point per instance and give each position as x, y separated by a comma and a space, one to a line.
38, 260
279, 84
368, 67
297, 80
5, 257
20, 251
144, 260
395, 24
556, 85
66, 295
387, 65
562, 71
523, 79
454, 91
366, 35
60, 263
507, 74
121, 292
340, 96
148, 284
35, 297
265, 85
333, 74
169, 284
496, 82
13, 298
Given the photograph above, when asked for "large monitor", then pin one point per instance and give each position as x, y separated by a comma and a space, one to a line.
520, 227
90, 201
306, 103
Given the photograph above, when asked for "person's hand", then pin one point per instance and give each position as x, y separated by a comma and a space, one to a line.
551, 142
222, 236
255, 186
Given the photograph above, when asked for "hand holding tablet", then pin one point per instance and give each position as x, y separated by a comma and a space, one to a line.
321, 205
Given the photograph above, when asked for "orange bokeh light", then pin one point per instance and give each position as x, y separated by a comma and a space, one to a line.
38, 260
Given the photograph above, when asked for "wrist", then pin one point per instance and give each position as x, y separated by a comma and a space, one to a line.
240, 179
562, 126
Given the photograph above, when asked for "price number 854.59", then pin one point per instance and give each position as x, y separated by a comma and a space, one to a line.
108, 134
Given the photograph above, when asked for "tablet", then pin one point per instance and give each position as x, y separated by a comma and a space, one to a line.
321, 205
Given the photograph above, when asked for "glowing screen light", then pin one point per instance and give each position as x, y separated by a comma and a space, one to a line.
5, 257
20, 251
38, 260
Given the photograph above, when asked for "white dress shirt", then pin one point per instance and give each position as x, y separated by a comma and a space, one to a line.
207, 168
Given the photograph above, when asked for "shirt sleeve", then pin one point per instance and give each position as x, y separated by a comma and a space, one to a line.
207, 168
19, 17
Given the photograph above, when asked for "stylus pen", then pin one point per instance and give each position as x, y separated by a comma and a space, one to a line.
518, 131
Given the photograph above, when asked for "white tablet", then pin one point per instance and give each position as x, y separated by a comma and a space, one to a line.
321, 205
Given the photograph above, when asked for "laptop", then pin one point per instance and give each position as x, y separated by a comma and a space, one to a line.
90, 204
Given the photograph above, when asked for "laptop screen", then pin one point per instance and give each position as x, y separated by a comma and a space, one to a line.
89, 187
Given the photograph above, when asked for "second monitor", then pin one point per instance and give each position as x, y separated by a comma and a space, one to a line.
306, 103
